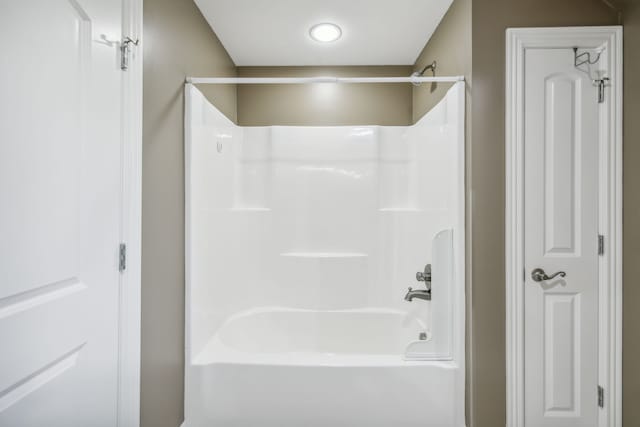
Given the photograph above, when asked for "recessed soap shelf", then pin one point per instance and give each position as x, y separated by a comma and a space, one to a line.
249, 209
324, 255
399, 210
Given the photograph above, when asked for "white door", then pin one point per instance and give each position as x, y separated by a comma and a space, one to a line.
561, 134
60, 216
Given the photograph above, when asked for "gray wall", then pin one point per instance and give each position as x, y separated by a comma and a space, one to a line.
631, 216
324, 104
490, 20
178, 42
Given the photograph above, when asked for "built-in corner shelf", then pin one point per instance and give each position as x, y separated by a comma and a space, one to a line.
399, 210
249, 209
324, 255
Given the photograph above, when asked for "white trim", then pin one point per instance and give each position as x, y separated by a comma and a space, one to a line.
304, 80
610, 214
459, 247
187, 243
130, 279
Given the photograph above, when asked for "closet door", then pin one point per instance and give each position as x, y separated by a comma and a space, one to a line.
561, 131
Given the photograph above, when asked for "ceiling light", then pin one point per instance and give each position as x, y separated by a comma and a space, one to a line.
325, 32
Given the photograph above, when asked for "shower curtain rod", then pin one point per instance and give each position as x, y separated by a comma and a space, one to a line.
303, 80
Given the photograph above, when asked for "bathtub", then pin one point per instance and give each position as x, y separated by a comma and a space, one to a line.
301, 242
279, 367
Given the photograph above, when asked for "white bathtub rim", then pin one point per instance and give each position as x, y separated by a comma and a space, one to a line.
216, 352
300, 359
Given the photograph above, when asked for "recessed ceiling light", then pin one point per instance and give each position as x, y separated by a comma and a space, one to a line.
325, 32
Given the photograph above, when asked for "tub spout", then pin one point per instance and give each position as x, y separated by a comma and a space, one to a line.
424, 294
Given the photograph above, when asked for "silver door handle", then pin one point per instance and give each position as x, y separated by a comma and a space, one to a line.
538, 275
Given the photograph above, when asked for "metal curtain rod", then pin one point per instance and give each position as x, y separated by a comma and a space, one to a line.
303, 80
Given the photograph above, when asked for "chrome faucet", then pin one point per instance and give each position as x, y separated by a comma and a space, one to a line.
424, 294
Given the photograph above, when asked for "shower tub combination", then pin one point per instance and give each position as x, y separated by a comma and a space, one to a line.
301, 243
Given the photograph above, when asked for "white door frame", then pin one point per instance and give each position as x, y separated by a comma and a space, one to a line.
131, 225
609, 207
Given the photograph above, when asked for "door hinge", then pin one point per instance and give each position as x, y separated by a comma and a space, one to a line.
600, 244
122, 265
600, 396
125, 48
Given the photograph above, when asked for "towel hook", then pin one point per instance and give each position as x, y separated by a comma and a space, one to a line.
578, 59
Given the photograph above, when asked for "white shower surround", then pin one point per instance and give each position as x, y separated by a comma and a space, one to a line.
301, 243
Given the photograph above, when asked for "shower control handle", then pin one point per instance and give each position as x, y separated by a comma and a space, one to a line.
538, 275
424, 276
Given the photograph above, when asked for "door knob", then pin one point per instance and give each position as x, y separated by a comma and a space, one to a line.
538, 275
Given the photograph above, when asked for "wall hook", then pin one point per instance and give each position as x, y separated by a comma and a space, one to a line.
125, 46
584, 58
